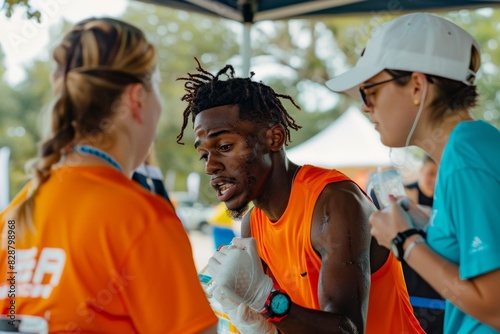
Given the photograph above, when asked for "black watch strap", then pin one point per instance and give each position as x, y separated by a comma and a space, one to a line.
400, 239
412, 231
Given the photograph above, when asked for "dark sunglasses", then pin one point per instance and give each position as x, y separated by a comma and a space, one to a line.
375, 84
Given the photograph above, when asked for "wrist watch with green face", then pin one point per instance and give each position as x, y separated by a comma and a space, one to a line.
277, 305
398, 242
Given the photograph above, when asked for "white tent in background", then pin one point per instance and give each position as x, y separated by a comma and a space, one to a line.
4, 176
349, 142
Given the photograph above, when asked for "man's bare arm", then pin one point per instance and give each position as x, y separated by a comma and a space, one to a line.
340, 235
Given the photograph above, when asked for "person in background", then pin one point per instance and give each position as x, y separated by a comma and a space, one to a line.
94, 251
416, 77
149, 175
422, 190
309, 225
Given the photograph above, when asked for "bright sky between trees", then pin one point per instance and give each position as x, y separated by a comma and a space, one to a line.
23, 40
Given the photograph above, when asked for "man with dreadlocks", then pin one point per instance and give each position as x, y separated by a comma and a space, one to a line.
309, 225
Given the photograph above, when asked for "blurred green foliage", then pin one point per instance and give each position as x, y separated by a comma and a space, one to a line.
10, 5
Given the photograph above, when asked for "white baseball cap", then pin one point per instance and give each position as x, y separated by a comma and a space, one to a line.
418, 42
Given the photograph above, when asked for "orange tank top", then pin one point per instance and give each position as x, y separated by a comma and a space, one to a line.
285, 246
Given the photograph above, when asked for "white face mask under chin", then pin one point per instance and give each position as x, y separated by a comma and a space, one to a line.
415, 121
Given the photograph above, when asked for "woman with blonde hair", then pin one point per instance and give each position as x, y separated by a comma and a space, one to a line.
89, 249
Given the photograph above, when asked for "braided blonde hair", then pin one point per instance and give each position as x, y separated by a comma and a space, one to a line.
95, 61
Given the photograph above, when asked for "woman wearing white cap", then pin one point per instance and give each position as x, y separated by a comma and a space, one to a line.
416, 78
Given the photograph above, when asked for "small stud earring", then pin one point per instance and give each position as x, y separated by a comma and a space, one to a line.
416, 102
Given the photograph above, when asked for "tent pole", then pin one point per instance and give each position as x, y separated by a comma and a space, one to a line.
248, 9
246, 48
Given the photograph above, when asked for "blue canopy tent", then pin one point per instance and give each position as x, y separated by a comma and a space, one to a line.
250, 11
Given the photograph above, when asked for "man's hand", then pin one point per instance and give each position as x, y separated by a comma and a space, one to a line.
237, 270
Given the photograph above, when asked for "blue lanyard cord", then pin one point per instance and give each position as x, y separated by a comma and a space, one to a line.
98, 153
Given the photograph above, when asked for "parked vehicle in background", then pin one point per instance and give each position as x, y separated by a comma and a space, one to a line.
193, 213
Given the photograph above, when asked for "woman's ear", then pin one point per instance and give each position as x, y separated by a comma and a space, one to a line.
276, 137
134, 95
418, 82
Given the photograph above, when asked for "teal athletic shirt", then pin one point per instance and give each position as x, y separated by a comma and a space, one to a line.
465, 223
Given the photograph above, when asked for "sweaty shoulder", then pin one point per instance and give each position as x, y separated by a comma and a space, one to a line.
345, 193
350, 207
345, 202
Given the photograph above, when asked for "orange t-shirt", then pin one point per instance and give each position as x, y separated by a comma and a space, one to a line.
285, 246
106, 256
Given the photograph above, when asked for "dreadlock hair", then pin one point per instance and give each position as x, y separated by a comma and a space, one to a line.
257, 102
